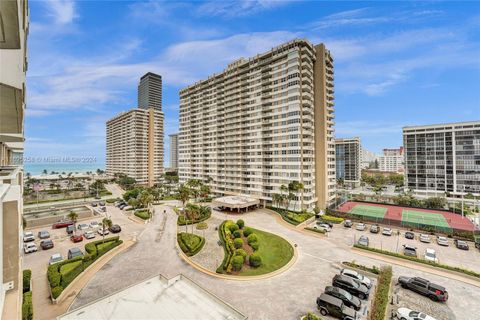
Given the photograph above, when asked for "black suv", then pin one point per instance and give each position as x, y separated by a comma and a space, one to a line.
409, 235
434, 291
351, 285
335, 308
349, 300
115, 228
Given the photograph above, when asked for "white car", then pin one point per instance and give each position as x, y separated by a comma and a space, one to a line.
387, 231
407, 314
89, 234
355, 275
102, 232
94, 224
361, 226
442, 241
82, 226
55, 258
425, 238
431, 255
30, 247
323, 226
28, 236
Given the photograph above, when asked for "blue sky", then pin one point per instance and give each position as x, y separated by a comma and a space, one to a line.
396, 63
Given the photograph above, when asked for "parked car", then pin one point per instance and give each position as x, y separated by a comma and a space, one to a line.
89, 234
82, 226
74, 252
374, 228
76, 238
28, 236
101, 203
62, 224
349, 300
408, 314
115, 228
424, 287
334, 307
347, 223
357, 276
442, 241
325, 222
409, 235
122, 206
55, 258
103, 232
363, 241
30, 247
387, 232
70, 229
361, 226
460, 244
409, 250
425, 238
46, 244
351, 285
431, 255
43, 234
94, 224
94, 204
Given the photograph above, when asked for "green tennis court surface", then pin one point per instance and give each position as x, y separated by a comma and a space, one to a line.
369, 211
418, 217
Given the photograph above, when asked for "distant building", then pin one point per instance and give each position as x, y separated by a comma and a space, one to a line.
261, 123
443, 158
367, 158
14, 24
392, 160
150, 91
173, 151
347, 160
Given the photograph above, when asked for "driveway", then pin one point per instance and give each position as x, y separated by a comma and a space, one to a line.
289, 295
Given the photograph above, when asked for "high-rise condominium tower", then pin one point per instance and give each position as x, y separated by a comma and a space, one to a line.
173, 151
14, 23
262, 123
392, 160
348, 160
443, 158
150, 91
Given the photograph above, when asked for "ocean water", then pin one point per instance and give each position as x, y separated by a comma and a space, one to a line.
37, 168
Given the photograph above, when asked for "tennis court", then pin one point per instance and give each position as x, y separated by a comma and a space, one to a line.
369, 211
424, 218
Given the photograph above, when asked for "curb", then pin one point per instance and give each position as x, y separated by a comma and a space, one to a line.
420, 266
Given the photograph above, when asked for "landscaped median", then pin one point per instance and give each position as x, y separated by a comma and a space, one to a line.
292, 217
433, 264
191, 244
193, 214
61, 274
27, 306
143, 214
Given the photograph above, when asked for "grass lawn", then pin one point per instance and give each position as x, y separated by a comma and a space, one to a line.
274, 250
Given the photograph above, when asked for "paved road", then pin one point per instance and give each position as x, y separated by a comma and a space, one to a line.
290, 294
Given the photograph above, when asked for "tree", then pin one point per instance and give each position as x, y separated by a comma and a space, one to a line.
73, 216
194, 186
106, 224
183, 194
45, 171
294, 187
204, 191
133, 193
145, 198
133, 202
277, 199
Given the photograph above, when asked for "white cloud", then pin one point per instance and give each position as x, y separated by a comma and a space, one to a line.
228, 8
61, 11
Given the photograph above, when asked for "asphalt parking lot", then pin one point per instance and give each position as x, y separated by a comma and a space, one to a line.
468, 259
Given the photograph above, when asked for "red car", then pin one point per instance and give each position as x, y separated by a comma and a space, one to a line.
76, 238
61, 224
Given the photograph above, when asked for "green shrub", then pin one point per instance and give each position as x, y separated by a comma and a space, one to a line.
27, 306
255, 245
247, 232
252, 238
238, 243
241, 252
321, 231
311, 316
237, 234
91, 249
255, 260
233, 227
331, 219
190, 244
27, 276
240, 223
56, 291
53, 276
237, 262
379, 306
70, 271
202, 226
143, 214
228, 253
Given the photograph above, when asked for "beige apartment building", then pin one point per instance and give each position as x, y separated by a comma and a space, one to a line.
14, 25
173, 151
262, 123
135, 145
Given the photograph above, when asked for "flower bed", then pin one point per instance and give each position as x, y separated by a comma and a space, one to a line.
61, 274
292, 217
190, 244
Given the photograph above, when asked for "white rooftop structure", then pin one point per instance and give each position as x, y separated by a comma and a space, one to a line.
178, 298
236, 202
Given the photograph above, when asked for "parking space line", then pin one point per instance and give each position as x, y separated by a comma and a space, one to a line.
319, 258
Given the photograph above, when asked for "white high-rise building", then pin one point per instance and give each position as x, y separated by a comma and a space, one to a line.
367, 157
261, 123
173, 151
392, 160
443, 158
14, 24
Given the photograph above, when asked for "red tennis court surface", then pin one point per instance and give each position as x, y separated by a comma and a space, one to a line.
395, 213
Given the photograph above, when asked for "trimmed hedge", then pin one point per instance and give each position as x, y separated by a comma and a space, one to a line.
380, 302
70, 271
241, 252
255, 260
27, 276
237, 234
240, 223
321, 231
252, 238
247, 232
352, 264
143, 214
438, 265
331, 219
292, 217
191, 244
228, 247
237, 262
27, 306
255, 245
238, 243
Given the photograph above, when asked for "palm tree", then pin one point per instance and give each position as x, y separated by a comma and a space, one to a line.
277, 199
194, 185
145, 198
205, 191
295, 187
73, 216
106, 224
184, 195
